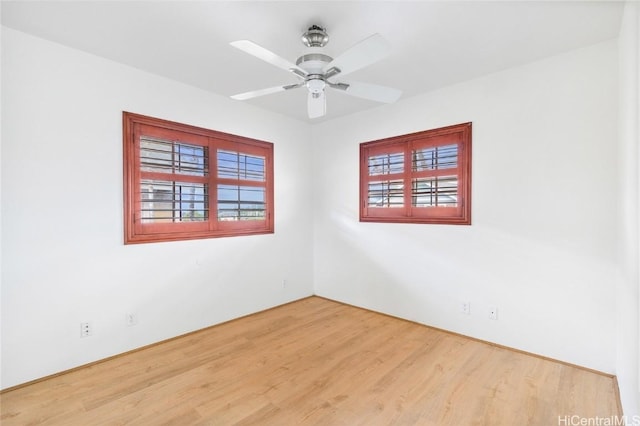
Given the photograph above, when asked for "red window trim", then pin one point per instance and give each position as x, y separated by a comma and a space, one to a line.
459, 215
136, 232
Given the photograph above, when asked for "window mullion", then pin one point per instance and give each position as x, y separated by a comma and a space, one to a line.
213, 185
174, 157
239, 203
173, 201
408, 172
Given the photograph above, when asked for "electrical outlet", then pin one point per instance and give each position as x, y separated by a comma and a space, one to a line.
86, 329
284, 283
465, 308
131, 319
493, 313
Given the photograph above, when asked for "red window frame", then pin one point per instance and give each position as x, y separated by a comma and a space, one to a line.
137, 230
397, 176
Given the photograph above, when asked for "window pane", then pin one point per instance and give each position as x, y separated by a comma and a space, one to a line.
157, 155
386, 164
237, 202
236, 165
435, 158
166, 201
388, 193
435, 192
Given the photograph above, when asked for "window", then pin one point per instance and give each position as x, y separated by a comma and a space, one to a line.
183, 182
423, 177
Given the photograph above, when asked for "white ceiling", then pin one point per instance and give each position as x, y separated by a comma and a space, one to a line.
435, 43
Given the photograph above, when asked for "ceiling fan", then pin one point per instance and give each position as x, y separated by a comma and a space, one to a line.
318, 71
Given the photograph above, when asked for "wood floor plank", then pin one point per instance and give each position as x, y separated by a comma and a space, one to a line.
316, 362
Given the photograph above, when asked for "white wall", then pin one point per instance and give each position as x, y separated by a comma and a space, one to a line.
542, 247
64, 261
627, 359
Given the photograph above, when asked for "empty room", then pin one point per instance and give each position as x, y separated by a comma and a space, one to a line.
320, 213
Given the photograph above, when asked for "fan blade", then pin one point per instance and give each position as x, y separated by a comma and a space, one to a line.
366, 52
268, 56
316, 104
262, 92
373, 92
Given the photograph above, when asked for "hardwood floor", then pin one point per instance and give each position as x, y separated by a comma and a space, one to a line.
316, 362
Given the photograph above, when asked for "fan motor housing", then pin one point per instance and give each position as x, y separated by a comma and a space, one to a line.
313, 63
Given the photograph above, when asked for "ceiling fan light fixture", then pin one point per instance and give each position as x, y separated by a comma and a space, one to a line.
315, 37
315, 85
